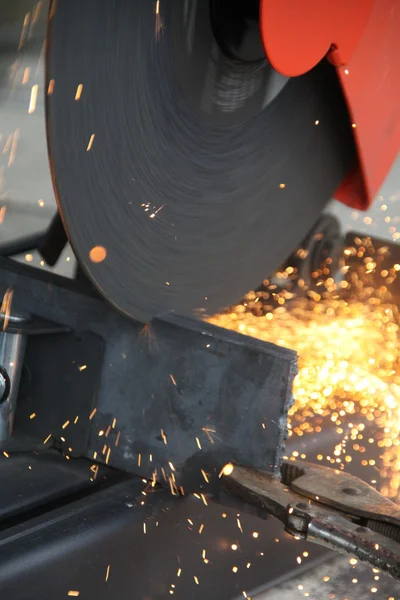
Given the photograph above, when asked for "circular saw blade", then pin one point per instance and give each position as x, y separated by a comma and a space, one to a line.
183, 176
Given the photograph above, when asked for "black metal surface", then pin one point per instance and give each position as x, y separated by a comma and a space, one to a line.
236, 27
54, 241
121, 544
201, 398
33, 480
159, 389
49, 243
22, 244
170, 161
59, 385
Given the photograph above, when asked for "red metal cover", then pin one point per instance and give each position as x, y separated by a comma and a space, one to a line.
362, 40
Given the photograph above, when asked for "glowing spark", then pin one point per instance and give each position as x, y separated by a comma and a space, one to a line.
41, 203
74, 593
97, 254
32, 102
171, 485
178, 574
90, 144
108, 572
282, 185
239, 525
205, 476
65, 424
83, 367
25, 77
94, 411
226, 470
117, 438
32, 416
47, 439
6, 454
24, 31
144, 528
164, 437
13, 147
50, 88
235, 569
108, 455
78, 91
204, 499
201, 529
255, 534
172, 378
3, 211
198, 443
196, 579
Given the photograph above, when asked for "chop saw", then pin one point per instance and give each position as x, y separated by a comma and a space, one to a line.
193, 146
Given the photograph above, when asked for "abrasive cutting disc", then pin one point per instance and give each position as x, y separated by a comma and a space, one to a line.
185, 168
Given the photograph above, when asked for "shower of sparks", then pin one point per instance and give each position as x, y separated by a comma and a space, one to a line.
349, 355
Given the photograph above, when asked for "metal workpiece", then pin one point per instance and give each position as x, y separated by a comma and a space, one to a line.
174, 401
325, 506
338, 533
12, 350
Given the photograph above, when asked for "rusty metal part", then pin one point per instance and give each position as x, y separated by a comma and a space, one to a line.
340, 490
339, 529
